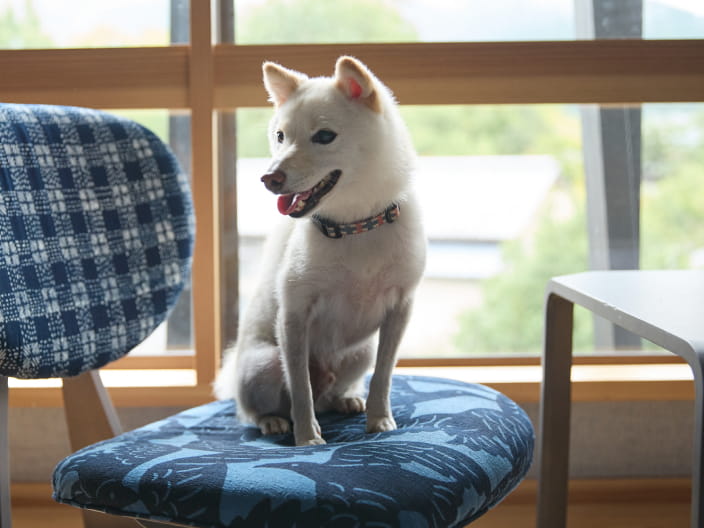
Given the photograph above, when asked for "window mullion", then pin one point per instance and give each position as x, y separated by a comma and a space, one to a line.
227, 173
207, 314
611, 139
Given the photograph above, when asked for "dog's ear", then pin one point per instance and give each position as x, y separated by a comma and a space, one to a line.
280, 82
355, 81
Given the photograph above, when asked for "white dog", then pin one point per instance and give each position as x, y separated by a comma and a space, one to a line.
341, 268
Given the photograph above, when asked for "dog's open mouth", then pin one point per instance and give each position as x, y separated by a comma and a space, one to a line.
298, 204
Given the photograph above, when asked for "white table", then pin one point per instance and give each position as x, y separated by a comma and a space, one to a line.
665, 307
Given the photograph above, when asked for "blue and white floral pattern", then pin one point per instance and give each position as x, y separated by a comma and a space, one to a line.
458, 450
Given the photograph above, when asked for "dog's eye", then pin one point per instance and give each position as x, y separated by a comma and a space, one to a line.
279, 136
324, 137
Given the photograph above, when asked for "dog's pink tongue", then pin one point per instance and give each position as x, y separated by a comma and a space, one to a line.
287, 203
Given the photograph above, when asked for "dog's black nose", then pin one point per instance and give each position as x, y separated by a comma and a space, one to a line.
274, 181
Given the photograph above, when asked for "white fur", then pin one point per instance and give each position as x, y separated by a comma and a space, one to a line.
324, 308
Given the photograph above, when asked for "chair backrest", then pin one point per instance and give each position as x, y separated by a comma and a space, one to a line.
96, 236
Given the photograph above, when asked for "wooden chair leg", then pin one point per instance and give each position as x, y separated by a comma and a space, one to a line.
91, 417
5, 512
90, 414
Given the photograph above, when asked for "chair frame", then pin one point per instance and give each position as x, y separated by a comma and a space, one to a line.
90, 417
5, 512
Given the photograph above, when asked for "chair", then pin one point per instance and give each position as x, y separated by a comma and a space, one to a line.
96, 234
460, 448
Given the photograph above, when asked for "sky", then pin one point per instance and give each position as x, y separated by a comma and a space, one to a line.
693, 6
72, 22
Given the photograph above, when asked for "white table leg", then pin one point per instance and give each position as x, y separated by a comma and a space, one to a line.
555, 403
697, 519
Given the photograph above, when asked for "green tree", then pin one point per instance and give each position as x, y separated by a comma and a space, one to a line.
497, 130
511, 317
672, 201
672, 219
17, 32
672, 231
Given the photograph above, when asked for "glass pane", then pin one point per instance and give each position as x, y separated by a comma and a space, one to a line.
88, 24
673, 19
672, 201
312, 21
504, 197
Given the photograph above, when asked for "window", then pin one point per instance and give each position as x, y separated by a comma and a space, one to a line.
41, 24
503, 197
528, 89
504, 201
85, 24
524, 217
279, 21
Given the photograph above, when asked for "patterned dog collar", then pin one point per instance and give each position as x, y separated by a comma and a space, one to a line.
332, 230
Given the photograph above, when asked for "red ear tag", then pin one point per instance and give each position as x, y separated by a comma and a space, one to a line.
355, 89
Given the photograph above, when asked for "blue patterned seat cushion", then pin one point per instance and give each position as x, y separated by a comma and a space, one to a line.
459, 449
96, 233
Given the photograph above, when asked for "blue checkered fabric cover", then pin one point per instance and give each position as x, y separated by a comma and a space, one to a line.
459, 449
96, 234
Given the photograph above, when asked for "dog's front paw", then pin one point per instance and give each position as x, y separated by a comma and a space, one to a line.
309, 442
306, 436
272, 425
380, 424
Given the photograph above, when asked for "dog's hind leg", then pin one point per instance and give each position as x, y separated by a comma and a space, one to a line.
262, 395
346, 394
271, 425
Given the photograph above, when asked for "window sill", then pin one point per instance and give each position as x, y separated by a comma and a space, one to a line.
591, 382
127, 388
627, 382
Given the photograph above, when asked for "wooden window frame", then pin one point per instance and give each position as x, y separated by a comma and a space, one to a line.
204, 78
